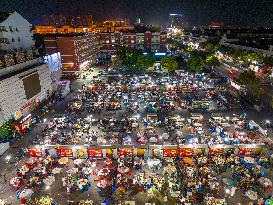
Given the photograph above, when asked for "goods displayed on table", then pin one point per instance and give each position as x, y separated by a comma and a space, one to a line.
129, 136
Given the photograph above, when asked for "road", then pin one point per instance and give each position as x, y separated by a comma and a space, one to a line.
224, 70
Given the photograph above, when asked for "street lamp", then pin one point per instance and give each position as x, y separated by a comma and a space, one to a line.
8, 158
228, 191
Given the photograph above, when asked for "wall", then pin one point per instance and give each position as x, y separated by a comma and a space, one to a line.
54, 64
21, 33
20, 66
12, 94
229, 42
76, 50
155, 41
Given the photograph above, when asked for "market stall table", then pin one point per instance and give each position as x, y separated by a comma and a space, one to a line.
102, 183
266, 183
49, 180
56, 170
16, 182
108, 162
249, 160
26, 194
83, 184
73, 171
104, 172
78, 161
123, 169
87, 170
153, 162
169, 169
63, 160
23, 170
252, 195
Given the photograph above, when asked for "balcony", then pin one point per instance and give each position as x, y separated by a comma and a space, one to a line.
4, 40
3, 29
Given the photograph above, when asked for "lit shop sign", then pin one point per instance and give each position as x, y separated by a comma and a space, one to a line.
169, 152
175, 14
34, 152
25, 118
94, 152
26, 105
245, 151
185, 152
160, 54
235, 85
126, 151
151, 151
64, 152
17, 115
216, 151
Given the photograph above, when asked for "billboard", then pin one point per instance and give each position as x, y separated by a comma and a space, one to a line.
32, 85
54, 65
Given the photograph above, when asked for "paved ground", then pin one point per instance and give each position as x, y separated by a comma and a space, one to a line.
8, 168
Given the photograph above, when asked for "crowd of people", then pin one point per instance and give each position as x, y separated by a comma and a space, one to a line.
223, 161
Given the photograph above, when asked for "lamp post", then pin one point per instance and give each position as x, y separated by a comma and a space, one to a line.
8, 157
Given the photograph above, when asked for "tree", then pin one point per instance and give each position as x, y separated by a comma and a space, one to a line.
122, 53
256, 94
248, 78
196, 63
169, 63
145, 62
212, 60
189, 49
133, 60
173, 49
210, 47
116, 62
267, 60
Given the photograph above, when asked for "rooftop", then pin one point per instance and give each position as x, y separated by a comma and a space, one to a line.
26, 66
4, 16
66, 34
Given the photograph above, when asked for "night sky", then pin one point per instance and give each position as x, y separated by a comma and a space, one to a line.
252, 13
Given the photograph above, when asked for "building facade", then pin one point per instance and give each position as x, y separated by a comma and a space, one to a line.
176, 20
22, 88
15, 32
77, 51
156, 42
64, 20
43, 30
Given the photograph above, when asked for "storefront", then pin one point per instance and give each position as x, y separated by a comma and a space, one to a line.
160, 151
200, 104
22, 125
